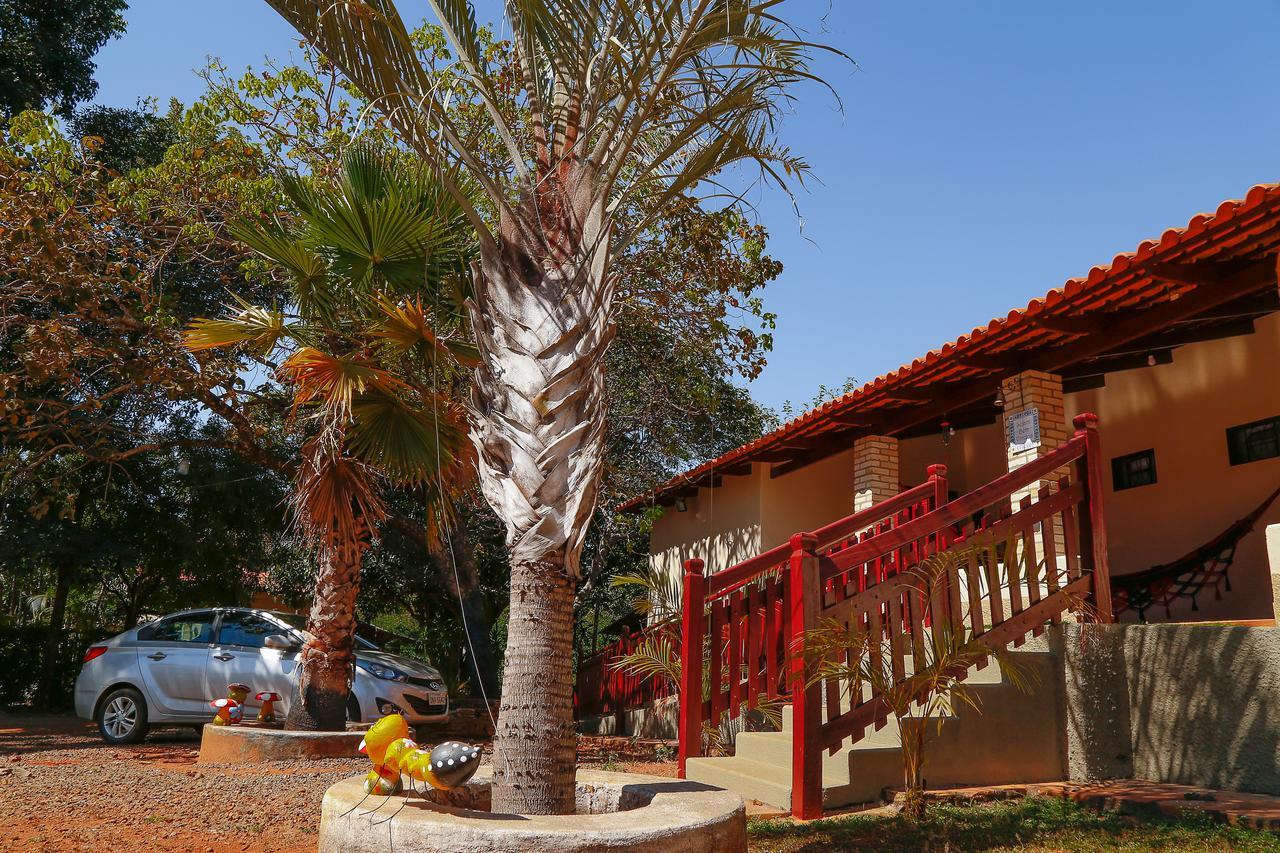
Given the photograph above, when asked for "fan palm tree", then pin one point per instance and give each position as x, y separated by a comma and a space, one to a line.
376, 262
613, 101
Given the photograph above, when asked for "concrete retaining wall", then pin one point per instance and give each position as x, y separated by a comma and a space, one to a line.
1188, 704
656, 720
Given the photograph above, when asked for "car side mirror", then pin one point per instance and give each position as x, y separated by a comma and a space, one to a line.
279, 641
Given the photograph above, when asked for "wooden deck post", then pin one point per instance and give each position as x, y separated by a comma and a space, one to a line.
938, 476
1093, 524
692, 629
806, 702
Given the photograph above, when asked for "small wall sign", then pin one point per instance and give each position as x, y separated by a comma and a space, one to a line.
1022, 430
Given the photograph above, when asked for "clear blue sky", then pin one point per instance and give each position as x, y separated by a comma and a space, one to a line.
986, 153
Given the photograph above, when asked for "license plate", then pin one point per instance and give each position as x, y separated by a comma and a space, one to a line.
437, 697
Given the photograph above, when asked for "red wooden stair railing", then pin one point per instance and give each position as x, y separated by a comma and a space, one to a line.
750, 621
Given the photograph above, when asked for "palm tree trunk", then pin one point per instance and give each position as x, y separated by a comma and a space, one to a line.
535, 746
541, 316
325, 663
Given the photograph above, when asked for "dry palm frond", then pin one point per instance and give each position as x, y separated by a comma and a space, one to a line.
260, 329
335, 380
408, 328
336, 498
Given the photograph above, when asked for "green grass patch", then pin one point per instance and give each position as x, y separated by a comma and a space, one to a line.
1034, 824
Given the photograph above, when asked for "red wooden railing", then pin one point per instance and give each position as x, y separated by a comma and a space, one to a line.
739, 620
602, 688
1018, 569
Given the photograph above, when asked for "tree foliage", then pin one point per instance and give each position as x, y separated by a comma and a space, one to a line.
47, 49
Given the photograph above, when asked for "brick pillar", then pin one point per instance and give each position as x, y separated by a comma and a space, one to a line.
875, 470
1032, 389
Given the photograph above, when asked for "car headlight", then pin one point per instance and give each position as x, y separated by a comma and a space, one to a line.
377, 670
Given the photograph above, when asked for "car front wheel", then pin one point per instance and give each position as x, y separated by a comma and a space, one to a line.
122, 716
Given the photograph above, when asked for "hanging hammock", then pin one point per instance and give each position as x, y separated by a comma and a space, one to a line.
1188, 576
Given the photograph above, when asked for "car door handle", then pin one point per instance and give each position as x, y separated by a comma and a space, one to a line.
223, 656
157, 656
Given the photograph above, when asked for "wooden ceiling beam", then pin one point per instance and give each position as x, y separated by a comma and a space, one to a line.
1120, 361
1200, 272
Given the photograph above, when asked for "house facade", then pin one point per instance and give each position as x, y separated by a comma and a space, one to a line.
1175, 347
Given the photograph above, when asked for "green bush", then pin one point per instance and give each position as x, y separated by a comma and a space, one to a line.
21, 648
22, 661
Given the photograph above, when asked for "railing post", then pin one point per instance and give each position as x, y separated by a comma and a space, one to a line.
692, 628
806, 699
938, 476
1093, 524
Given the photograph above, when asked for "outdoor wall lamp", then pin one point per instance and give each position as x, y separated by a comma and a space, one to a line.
682, 505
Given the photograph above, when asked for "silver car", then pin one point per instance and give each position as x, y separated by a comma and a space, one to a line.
167, 672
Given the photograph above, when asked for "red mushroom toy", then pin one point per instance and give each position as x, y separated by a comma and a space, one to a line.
229, 712
267, 713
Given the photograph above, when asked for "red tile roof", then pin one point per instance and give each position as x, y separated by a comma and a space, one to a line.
1239, 230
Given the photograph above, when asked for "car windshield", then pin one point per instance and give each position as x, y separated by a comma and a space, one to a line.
297, 620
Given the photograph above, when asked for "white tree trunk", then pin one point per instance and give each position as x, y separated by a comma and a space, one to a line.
542, 320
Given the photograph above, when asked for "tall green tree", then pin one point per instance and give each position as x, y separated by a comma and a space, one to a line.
47, 49
375, 262
614, 101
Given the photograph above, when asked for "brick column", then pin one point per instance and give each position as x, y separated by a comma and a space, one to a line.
1033, 389
875, 470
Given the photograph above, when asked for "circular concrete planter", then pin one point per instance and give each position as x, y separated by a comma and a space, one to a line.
253, 745
616, 812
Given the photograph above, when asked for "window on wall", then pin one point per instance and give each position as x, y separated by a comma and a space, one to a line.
1133, 470
1255, 441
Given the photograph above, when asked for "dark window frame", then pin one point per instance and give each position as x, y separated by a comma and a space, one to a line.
1123, 477
1239, 449
234, 616
147, 632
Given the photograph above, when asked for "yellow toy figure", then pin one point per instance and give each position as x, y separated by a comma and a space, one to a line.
238, 692
383, 780
267, 713
387, 743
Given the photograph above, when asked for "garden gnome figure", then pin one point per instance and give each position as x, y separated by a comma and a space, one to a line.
267, 713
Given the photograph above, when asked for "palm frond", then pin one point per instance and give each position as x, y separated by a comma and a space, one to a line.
335, 380
261, 329
412, 444
335, 500
407, 328
308, 270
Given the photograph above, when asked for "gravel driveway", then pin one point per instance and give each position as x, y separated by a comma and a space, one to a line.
62, 788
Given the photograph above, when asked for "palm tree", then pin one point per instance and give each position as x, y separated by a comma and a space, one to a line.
613, 101
376, 262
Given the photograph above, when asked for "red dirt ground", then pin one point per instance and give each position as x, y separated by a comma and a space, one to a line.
62, 789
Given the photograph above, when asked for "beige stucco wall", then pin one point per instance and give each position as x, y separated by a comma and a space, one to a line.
1183, 410
720, 526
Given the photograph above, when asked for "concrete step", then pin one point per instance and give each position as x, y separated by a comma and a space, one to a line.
752, 780
1011, 739
771, 783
